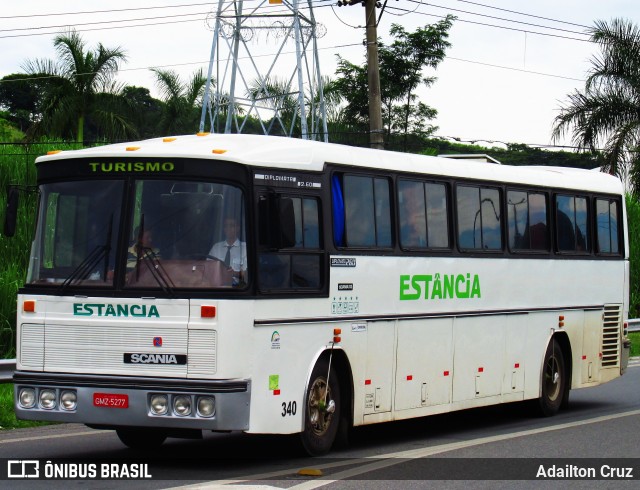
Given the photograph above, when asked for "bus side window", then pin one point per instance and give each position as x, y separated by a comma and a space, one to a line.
295, 266
571, 224
479, 218
367, 212
527, 218
423, 215
607, 226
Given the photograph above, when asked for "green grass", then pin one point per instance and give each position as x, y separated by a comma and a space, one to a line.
7, 415
635, 344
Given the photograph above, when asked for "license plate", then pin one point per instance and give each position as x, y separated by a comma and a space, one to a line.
110, 400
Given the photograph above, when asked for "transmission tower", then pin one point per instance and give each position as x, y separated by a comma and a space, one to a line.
281, 91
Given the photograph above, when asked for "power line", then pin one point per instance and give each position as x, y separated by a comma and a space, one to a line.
499, 18
496, 26
46, 77
9, 36
525, 14
50, 14
101, 28
515, 69
104, 22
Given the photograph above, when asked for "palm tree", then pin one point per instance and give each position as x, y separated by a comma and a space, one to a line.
80, 85
180, 113
607, 114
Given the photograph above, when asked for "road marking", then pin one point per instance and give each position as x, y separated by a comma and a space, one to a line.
54, 436
391, 459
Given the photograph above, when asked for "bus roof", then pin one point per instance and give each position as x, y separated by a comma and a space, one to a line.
298, 154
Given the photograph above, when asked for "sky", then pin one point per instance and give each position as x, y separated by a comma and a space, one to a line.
509, 69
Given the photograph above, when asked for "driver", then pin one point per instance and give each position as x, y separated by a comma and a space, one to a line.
231, 251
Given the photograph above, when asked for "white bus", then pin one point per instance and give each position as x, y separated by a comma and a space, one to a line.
271, 285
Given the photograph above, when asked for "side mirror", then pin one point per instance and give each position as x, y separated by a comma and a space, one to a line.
11, 214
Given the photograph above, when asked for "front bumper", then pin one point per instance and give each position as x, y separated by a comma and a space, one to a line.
232, 400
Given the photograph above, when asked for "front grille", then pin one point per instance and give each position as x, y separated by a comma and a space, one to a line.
202, 352
32, 346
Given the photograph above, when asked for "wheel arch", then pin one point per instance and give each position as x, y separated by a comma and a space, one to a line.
341, 365
565, 345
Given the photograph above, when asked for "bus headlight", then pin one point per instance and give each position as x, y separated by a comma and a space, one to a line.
68, 400
27, 397
159, 404
182, 405
206, 406
48, 399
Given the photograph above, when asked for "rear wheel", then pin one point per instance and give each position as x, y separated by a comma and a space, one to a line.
322, 410
554, 380
141, 439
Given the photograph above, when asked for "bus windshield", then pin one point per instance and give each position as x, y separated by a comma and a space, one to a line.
178, 234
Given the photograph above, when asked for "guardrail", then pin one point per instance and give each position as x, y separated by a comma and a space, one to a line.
634, 325
7, 367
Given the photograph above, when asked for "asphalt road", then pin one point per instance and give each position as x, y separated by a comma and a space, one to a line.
496, 447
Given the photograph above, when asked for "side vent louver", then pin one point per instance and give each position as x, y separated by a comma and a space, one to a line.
611, 335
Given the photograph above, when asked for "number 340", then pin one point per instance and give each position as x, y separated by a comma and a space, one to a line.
289, 408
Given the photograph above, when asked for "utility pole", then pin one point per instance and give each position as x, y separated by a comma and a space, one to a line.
376, 132
376, 138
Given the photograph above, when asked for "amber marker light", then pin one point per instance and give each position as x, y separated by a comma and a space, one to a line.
218, 151
203, 134
561, 321
29, 306
132, 148
207, 311
168, 140
336, 335
54, 152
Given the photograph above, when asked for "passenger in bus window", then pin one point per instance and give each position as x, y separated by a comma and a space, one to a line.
231, 251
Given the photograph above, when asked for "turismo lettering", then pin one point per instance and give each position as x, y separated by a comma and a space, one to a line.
108, 167
445, 286
98, 309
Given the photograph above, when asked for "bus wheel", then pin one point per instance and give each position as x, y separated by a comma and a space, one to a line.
322, 410
554, 379
141, 439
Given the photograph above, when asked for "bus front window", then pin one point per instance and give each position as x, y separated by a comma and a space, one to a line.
76, 235
186, 235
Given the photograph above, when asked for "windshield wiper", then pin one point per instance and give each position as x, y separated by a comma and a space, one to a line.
85, 267
157, 270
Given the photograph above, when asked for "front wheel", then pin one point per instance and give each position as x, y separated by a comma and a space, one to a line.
554, 379
322, 410
141, 439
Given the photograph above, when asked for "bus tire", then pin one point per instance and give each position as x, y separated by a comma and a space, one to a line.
554, 380
321, 419
141, 439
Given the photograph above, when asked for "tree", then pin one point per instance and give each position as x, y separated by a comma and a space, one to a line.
80, 86
401, 65
181, 101
21, 97
146, 109
607, 113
